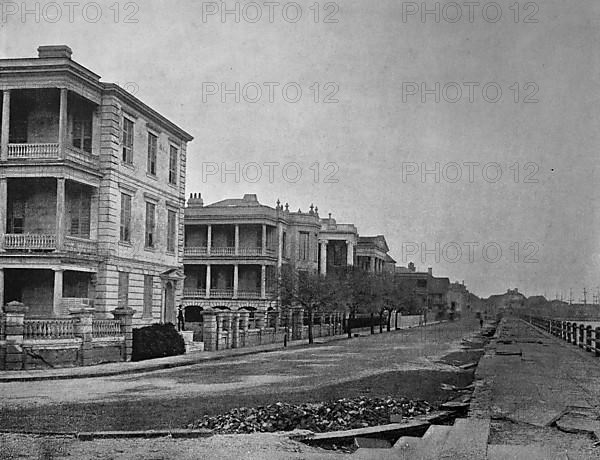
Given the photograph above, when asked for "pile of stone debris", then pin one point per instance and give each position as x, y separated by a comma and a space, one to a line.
342, 414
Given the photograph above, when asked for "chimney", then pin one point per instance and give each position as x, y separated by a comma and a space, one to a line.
251, 197
430, 271
54, 51
195, 200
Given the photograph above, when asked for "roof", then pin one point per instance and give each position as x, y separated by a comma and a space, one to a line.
378, 240
249, 200
389, 260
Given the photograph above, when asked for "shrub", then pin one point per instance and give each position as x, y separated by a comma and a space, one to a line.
156, 341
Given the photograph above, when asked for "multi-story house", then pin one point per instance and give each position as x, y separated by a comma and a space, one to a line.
371, 253
91, 193
337, 243
234, 249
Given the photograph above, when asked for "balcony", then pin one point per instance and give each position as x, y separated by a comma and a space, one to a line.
51, 151
224, 294
32, 242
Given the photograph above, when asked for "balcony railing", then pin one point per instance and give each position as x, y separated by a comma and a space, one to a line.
227, 251
194, 250
249, 294
32, 151
223, 293
29, 241
46, 242
48, 329
106, 328
194, 293
50, 151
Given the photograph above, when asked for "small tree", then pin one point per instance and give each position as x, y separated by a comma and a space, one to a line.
310, 290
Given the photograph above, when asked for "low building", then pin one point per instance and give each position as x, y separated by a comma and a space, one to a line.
458, 298
371, 253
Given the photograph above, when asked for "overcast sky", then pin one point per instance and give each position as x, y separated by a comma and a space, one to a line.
371, 146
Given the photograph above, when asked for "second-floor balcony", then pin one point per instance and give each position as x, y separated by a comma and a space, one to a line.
228, 251
51, 151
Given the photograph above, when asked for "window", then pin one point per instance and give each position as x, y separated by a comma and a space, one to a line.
152, 147
171, 230
123, 289
303, 248
150, 224
125, 218
16, 217
173, 166
127, 141
148, 285
284, 246
421, 283
79, 204
82, 134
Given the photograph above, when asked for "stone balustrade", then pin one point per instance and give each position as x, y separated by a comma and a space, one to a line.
581, 334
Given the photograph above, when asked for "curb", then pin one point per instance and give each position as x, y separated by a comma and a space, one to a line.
145, 434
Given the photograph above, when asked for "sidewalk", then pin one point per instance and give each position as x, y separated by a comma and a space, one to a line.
539, 396
188, 359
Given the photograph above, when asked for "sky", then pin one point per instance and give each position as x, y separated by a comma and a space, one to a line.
467, 137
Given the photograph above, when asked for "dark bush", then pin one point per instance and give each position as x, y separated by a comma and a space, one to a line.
156, 341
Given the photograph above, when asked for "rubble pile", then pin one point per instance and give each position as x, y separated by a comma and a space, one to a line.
343, 414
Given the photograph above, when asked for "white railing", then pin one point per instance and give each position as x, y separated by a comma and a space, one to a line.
194, 293
29, 241
80, 245
48, 329
194, 250
249, 252
224, 251
248, 294
225, 293
106, 328
38, 151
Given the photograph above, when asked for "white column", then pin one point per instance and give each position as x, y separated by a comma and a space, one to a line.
372, 263
5, 125
94, 211
236, 280
60, 212
207, 281
237, 239
58, 289
95, 132
263, 281
208, 239
323, 268
3, 208
349, 253
264, 239
279, 245
62, 123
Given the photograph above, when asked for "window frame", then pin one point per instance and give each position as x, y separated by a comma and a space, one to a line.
151, 165
127, 227
150, 224
173, 161
127, 147
171, 232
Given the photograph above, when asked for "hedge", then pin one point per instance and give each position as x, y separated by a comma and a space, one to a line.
156, 341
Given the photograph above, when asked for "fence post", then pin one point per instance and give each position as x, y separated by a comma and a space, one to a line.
235, 329
125, 316
574, 328
14, 316
581, 335
569, 331
588, 338
82, 328
597, 337
209, 329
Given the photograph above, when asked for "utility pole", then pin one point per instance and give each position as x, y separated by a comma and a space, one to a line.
570, 296
584, 296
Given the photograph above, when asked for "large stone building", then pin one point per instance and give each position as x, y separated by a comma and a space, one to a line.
91, 193
235, 247
372, 254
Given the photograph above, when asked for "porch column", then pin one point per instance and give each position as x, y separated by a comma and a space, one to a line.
323, 268
263, 281
279, 245
349, 253
236, 280
58, 290
264, 239
208, 239
94, 215
95, 132
208, 281
62, 123
5, 125
237, 240
3, 210
60, 212
372, 262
